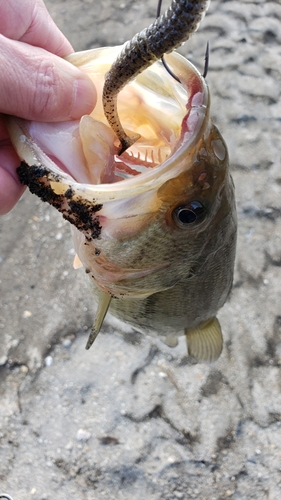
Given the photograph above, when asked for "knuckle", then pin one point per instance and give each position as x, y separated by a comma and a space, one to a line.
45, 98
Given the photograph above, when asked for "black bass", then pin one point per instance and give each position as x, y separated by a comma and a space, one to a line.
153, 225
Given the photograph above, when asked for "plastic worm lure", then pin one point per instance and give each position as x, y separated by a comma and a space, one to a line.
167, 33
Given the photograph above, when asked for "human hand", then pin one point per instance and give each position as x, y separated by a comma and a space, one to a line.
35, 82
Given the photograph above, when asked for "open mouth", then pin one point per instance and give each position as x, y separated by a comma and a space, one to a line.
167, 115
152, 107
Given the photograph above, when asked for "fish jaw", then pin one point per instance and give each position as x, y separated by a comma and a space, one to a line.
124, 231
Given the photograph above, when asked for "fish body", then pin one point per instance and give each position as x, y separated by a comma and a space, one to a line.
154, 226
155, 229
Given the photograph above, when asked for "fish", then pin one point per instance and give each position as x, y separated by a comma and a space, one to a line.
151, 202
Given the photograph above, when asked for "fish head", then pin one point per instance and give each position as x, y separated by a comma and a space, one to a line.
151, 217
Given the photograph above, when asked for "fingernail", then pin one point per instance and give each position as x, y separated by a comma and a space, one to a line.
85, 97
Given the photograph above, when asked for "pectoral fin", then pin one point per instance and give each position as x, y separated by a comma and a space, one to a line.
205, 343
104, 302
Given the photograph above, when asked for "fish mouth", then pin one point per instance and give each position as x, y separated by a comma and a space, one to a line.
168, 116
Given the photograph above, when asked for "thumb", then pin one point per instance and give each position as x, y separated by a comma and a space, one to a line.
38, 85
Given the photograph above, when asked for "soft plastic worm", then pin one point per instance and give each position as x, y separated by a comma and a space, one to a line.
167, 33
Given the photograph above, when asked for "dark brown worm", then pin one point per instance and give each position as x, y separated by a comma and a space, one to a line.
167, 33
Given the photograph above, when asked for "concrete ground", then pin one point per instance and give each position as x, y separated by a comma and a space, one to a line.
131, 418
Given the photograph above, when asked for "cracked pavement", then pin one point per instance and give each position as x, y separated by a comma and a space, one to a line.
133, 418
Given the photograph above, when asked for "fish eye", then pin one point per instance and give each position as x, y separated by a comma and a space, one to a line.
188, 214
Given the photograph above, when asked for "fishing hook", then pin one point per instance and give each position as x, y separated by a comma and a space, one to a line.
206, 59
4, 495
158, 12
206, 65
